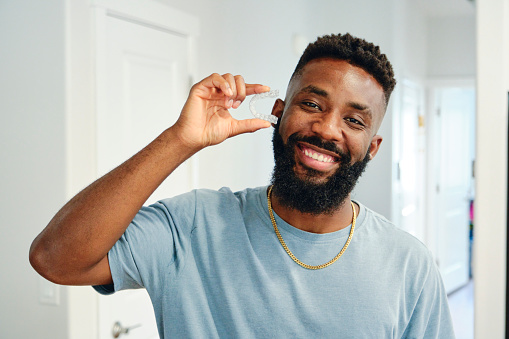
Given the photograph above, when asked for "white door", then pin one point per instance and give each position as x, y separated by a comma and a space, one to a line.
454, 149
142, 83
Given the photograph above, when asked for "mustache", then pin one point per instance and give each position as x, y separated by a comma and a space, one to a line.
319, 142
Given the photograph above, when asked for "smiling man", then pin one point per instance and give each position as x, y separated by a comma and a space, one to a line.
331, 115
296, 259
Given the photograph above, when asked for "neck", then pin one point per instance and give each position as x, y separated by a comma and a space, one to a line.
315, 223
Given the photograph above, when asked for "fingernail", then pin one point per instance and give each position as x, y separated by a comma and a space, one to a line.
230, 103
237, 103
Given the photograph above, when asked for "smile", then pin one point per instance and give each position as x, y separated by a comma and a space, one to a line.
317, 156
315, 159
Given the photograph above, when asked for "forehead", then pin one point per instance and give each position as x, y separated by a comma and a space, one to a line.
341, 80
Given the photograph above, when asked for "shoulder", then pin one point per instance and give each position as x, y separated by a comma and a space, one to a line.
402, 256
394, 243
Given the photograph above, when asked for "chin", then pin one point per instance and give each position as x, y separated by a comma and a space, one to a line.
312, 176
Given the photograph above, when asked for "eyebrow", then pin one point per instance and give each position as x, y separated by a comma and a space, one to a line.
363, 109
359, 106
315, 90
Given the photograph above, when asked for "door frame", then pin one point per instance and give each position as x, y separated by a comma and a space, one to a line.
83, 39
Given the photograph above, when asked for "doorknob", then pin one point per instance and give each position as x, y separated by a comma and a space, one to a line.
118, 329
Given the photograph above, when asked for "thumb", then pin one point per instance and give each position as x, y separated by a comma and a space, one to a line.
249, 126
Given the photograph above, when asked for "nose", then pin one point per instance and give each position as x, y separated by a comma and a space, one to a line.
328, 126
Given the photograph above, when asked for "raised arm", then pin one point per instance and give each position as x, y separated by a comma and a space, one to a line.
73, 248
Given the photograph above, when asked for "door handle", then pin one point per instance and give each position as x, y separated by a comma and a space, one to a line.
118, 329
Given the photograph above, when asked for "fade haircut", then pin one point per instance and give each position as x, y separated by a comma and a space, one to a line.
357, 52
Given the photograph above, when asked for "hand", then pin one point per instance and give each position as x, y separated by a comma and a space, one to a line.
205, 119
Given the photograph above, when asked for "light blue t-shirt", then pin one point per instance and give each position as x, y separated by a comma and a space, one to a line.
214, 268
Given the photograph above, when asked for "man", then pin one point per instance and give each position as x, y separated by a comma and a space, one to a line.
295, 259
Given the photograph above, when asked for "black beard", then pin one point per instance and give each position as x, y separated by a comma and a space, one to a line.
306, 195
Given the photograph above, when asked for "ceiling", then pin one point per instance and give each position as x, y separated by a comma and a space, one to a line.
435, 8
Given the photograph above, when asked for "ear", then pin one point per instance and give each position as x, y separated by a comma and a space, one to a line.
375, 146
279, 107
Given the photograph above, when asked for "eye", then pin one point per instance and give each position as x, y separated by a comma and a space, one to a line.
354, 121
310, 105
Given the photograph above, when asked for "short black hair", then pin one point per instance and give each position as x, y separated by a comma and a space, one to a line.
355, 51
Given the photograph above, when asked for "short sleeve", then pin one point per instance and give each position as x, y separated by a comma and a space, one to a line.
431, 317
152, 246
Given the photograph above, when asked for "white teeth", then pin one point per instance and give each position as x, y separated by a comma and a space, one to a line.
321, 157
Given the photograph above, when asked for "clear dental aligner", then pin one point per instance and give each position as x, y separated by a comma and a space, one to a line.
270, 94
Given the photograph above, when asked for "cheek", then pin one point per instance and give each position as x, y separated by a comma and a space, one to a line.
293, 121
358, 147
289, 125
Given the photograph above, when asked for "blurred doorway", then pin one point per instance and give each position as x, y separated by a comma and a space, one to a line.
451, 180
451, 202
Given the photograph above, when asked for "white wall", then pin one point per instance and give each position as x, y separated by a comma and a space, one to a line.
32, 153
451, 47
411, 41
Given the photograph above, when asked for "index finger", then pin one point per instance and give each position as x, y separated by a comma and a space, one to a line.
256, 89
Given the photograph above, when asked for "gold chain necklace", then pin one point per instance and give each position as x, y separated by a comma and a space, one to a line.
317, 267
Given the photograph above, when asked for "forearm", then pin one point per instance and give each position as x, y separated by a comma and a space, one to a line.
84, 230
